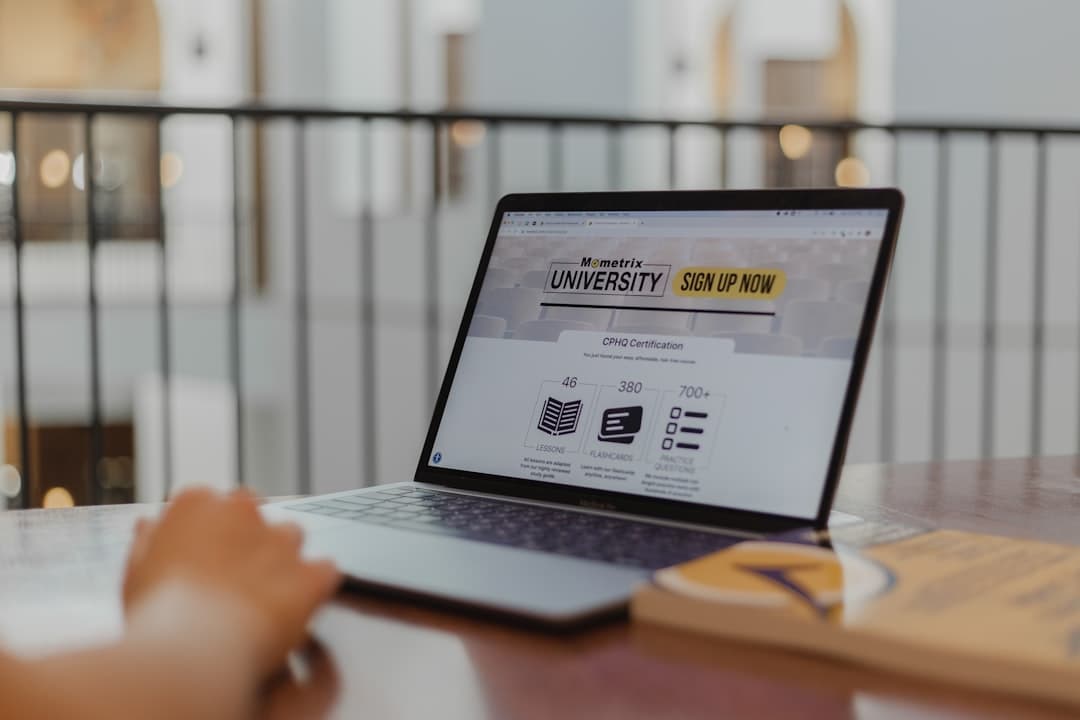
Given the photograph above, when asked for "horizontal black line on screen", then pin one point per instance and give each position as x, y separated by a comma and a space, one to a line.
761, 313
696, 414
692, 430
688, 446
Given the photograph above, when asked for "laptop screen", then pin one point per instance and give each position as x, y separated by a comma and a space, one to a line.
692, 356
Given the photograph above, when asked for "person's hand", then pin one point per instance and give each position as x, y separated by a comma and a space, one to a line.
249, 573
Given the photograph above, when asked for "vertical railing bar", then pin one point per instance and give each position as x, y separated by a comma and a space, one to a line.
235, 329
990, 308
164, 321
672, 156
494, 163
555, 156
303, 343
1076, 436
25, 461
887, 438
1038, 313
614, 156
725, 166
431, 267
368, 387
94, 489
941, 275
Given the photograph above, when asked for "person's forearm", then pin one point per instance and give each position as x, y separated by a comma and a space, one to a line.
162, 668
122, 681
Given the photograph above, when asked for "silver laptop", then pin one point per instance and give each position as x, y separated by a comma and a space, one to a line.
639, 379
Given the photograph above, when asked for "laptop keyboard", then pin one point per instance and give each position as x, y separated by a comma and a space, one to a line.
531, 527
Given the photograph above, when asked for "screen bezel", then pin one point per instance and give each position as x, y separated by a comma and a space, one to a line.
889, 199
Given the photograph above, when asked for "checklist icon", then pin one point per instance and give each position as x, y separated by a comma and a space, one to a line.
684, 429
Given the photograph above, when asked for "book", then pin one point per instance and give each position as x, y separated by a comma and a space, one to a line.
978, 610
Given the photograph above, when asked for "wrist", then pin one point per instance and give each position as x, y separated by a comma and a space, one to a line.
201, 645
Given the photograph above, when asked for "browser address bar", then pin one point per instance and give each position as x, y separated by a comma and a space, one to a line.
614, 221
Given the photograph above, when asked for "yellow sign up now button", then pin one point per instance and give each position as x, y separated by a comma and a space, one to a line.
729, 283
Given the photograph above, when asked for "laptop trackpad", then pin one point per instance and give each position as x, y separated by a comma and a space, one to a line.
544, 587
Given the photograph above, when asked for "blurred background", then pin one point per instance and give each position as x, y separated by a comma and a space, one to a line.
247, 262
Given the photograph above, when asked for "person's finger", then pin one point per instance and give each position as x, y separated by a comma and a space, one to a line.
323, 579
191, 496
144, 529
144, 526
291, 534
323, 681
244, 494
313, 696
245, 502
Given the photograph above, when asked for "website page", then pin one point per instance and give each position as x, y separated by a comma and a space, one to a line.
694, 356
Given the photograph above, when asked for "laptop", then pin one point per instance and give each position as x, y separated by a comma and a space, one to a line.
639, 378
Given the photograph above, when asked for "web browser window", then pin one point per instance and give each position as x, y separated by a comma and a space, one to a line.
693, 356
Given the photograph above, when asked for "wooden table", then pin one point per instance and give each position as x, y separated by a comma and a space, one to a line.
384, 659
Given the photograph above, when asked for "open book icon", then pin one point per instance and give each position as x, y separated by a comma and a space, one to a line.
559, 418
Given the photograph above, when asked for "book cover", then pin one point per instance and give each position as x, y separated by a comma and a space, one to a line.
979, 610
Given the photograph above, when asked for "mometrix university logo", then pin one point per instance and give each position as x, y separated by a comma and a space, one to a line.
608, 276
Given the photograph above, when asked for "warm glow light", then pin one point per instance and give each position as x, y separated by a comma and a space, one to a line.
54, 169
467, 133
58, 497
795, 141
172, 169
7, 168
852, 172
10, 481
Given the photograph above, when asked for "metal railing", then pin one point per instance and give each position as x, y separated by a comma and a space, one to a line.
943, 214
